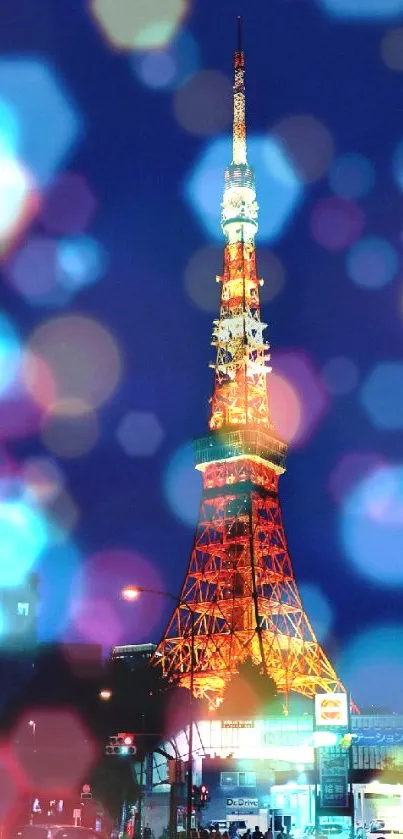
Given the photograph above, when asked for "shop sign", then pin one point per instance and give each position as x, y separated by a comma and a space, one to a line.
238, 724
331, 709
333, 778
247, 803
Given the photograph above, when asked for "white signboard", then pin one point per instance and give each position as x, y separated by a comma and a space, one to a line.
331, 710
242, 802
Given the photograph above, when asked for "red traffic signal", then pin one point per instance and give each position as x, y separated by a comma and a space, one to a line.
204, 794
128, 740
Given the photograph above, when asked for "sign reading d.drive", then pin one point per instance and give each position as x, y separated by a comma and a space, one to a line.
248, 803
331, 709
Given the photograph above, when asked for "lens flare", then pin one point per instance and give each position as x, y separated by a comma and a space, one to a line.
182, 485
138, 26
372, 526
82, 359
372, 262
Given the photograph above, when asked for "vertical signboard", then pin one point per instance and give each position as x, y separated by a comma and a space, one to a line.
333, 778
332, 761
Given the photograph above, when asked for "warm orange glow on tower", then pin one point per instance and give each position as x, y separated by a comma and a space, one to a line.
240, 584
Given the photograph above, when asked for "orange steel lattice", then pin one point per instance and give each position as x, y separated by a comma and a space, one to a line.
240, 598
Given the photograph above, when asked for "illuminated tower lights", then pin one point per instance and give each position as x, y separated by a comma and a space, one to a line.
240, 584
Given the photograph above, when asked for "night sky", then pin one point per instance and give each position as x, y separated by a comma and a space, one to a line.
125, 152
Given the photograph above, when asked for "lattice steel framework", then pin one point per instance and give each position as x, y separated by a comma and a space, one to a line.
239, 598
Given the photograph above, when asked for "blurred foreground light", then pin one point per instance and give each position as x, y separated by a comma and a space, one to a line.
82, 360
99, 612
182, 485
324, 738
279, 187
12, 785
145, 24
33, 271
70, 428
140, 434
340, 375
203, 105
10, 135
10, 354
64, 751
336, 223
318, 608
372, 526
43, 479
168, 68
18, 200
57, 569
372, 262
351, 176
392, 48
297, 398
81, 262
363, 9
372, 666
382, 395
68, 206
48, 123
23, 537
350, 470
307, 144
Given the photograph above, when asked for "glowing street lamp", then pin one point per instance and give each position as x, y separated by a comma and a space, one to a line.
105, 694
131, 593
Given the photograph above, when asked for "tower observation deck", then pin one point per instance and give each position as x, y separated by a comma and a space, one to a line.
239, 598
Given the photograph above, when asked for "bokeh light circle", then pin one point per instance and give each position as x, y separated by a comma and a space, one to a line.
81, 358
68, 206
140, 433
372, 262
308, 145
171, 67
351, 176
363, 9
81, 262
285, 406
382, 395
23, 537
340, 375
182, 485
70, 428
145, 24
10, 353
98, 611
317, 606
350, 470
18, 199
297, 397
392, 48
203, 105
336, 223
43, 479
372, 526
372, 666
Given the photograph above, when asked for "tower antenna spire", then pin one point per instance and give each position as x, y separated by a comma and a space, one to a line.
239, 130
239, 34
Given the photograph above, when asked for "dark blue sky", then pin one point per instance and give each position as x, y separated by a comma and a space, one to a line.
341, 296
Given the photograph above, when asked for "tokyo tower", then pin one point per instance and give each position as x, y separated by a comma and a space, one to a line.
240, 599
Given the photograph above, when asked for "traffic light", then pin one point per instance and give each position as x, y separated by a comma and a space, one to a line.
204, 795
347, 741
121, 744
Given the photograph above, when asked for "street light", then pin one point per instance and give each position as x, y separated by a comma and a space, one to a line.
105, 694
131, 593
32, 724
